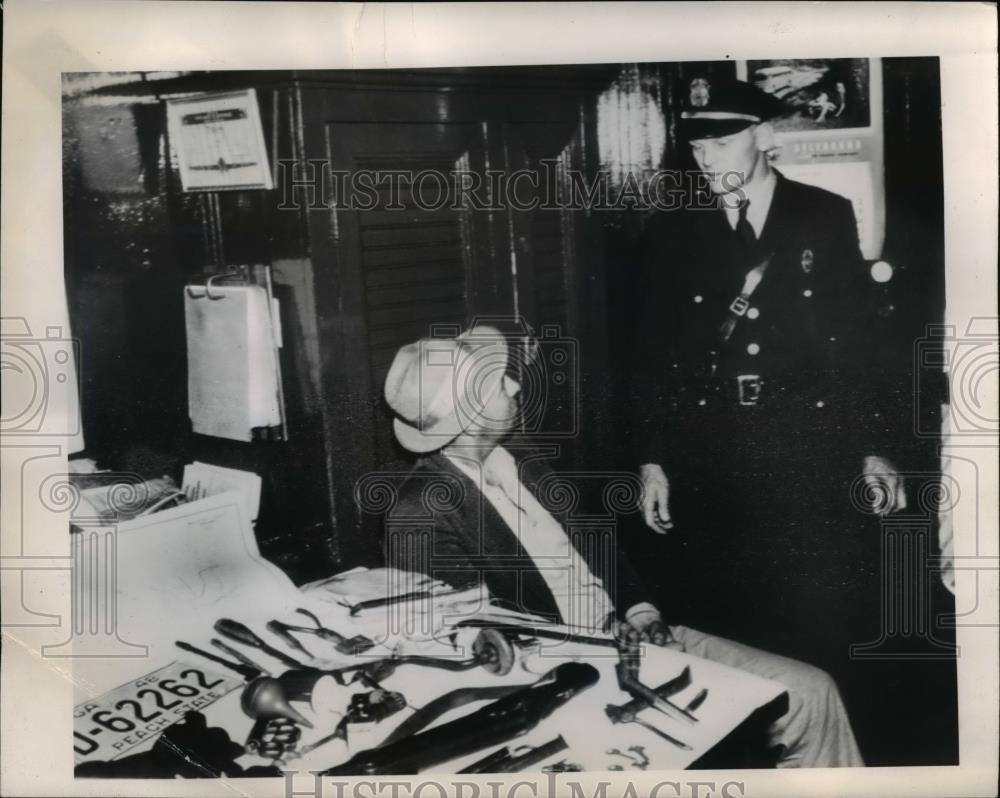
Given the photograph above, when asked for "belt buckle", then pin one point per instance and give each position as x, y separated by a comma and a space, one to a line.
739, 305
748, 389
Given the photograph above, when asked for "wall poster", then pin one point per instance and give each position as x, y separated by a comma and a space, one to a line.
831, 134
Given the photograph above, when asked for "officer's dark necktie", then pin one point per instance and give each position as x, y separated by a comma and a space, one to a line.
748, 244
744, 230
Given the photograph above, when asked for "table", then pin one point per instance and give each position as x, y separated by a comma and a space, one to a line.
181, 570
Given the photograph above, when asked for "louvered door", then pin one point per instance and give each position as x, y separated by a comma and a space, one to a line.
411, 266
413, 270
386, 277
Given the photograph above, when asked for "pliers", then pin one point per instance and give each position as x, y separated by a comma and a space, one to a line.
344, 645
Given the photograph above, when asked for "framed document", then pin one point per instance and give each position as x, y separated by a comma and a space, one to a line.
219, 142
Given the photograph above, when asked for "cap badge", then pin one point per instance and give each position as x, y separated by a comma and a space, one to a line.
699, 92
807, 260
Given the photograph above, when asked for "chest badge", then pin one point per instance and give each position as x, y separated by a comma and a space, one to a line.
807, 260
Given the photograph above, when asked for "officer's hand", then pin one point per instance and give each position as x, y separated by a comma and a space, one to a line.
885, 485
655, 498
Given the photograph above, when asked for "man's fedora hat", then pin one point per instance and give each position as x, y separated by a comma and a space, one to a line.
438, 387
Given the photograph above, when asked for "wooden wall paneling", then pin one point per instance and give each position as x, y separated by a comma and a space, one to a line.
493, 291
322, 224
599, 433
561, 277
488, 288
538, 255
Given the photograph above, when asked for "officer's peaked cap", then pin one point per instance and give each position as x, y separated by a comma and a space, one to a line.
713, 108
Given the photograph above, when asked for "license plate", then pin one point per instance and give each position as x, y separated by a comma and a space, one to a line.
106, 727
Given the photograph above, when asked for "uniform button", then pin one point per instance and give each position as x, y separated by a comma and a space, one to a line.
753, 349
833, 337
821, 403
697, 299
881, 272
807, 293
702, 403
753, 313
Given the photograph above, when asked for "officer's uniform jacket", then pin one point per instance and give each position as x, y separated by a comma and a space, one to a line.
762, 435
797, 341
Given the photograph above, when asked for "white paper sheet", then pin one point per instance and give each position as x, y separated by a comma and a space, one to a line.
232, 368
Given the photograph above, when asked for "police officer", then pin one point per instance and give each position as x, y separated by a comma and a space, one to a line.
755, 412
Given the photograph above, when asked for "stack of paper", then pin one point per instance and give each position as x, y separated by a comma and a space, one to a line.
202, 479
232, 361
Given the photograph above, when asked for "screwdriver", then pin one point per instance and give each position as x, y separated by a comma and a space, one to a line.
239, 656
241, 634
244, 671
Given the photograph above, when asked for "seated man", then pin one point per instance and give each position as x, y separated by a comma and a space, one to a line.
456, 401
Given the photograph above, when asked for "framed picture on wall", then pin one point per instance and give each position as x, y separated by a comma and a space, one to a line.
818, 93
219, 142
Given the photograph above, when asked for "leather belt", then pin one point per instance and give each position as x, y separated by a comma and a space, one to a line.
745, 390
